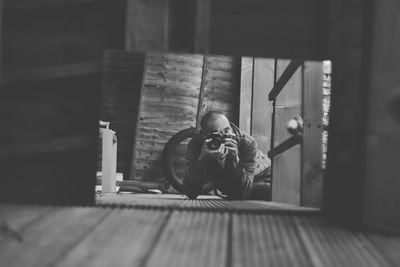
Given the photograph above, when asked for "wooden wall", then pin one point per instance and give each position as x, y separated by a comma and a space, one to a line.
51, 80
122, 81
255, 118
347, 127
177, 90
275, 28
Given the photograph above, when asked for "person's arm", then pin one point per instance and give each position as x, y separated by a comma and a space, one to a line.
241, 176
195, 175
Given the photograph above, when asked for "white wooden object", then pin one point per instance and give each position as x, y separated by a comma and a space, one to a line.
109, 161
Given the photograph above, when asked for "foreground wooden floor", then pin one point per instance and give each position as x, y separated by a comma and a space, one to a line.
167, 230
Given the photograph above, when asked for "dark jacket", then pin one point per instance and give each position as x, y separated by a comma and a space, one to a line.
237, 183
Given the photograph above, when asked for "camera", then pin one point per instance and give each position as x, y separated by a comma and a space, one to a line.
217, 139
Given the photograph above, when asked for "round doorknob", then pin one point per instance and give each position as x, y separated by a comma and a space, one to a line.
295, 126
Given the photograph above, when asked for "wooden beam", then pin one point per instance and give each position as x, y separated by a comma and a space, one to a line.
45, 146
1, 38
311, 177
21, 4
202, 35
382, 183
147, 25
52, 72
284, 78
348, 115
285, 145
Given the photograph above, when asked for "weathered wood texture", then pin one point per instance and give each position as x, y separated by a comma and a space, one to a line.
255, 118
311, 171
49, 148
347, 130
297, 172
382, 184
285, 29
45, 36
52, 72
170, 102
264, 74
202, 26
246, 94
147, 25
122, 82
286, 167
154, 236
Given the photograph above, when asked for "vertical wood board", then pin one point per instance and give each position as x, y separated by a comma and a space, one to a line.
286, 170
311, 177
147, 25
122, 80
264, 72
246, 94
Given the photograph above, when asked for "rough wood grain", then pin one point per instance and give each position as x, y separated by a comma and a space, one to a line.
286, 170
195, 239
124, 238
147, 25
46, 240
264, 74
122, 80
246, 94
311, 177
254, 237
382, 185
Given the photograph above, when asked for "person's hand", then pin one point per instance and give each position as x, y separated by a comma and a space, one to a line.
219, 154
231, 146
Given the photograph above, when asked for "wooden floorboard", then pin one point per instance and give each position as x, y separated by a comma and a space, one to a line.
124, 238
205, 232
192, 239
47, 239
266, 240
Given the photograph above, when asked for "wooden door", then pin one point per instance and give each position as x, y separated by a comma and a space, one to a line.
297, 158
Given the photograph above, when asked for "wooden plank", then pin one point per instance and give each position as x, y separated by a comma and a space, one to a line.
1, 39
213, 82
16, 217
47, 240
147, 25
255, 22
53, 72
21, 4
311, 177
328, 243
382, 147
267, 240
347, 130
263, 80
125, 238
285, 145
120, 100
286, 169
246, 94
202, 26
192, 239
45, 146
284, 78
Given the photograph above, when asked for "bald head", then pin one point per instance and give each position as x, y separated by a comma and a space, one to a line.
214, 121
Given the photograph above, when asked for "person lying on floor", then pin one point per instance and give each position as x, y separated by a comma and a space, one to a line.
228, 158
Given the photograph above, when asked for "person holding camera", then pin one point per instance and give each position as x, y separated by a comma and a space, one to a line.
228, 158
